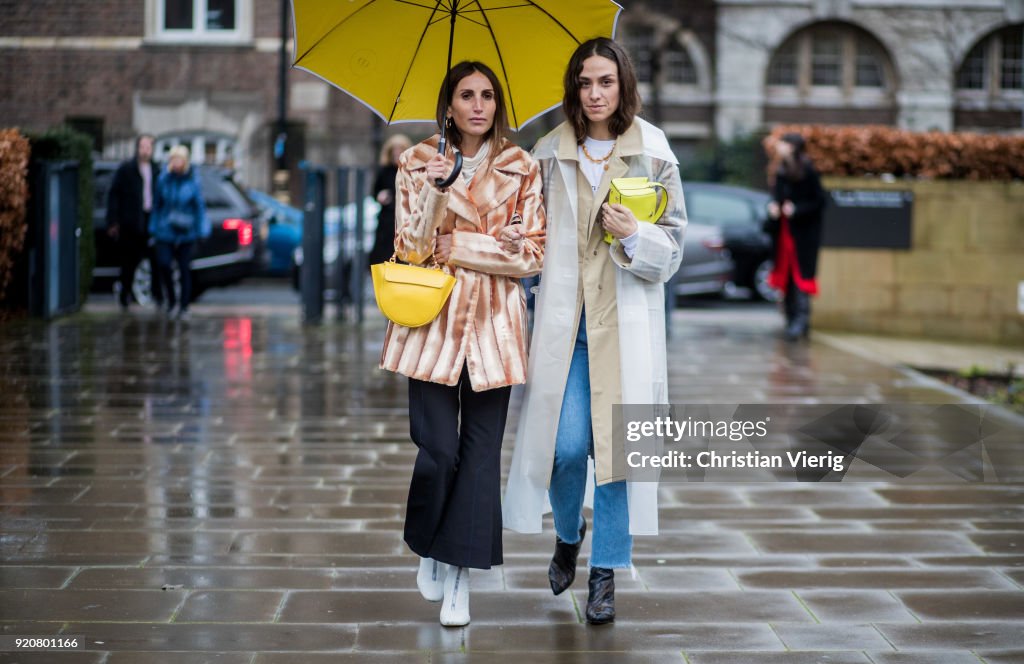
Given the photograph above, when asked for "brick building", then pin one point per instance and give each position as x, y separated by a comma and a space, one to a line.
205, 72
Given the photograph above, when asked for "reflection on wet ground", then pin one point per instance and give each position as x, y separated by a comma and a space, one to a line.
232, 490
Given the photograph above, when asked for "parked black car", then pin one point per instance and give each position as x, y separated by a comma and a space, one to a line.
740, 214
233, 250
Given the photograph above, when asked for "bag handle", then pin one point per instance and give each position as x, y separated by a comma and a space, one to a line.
432, 265
664, 199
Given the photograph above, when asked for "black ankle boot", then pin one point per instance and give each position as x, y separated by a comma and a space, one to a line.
601, 601
562, 570
799, 326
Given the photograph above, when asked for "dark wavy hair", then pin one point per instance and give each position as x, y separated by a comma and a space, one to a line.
499, 129
629, 95
798, 167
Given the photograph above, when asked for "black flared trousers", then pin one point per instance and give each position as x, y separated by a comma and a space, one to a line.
454, 510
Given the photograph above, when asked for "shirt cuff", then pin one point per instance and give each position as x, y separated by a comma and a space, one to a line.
629, 243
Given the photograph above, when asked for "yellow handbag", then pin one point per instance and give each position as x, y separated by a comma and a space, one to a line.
410, 295
640, 195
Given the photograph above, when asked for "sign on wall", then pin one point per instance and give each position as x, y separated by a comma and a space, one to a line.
868, 219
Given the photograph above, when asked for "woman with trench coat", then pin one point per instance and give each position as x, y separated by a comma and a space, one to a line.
599, 329
487, 228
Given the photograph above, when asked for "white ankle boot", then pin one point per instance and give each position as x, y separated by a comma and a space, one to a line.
430, 579
455, 609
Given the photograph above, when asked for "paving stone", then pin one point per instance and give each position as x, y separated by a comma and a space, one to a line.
196, 637
992, 636
706, 607
966, 606
1009, 657
872, 543
351, 606
52, 658
824, 657
1000, 543
623, 636
926, 657
34, 577
875, 578
88, 605
831, 636
358, 657
178, 657
230, 606
854, 606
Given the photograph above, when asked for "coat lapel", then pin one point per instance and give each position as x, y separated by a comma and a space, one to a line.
568, 159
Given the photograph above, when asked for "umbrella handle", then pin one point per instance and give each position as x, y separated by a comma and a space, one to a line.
445, 183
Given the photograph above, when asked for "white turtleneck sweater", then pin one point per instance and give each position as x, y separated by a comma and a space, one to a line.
470, 164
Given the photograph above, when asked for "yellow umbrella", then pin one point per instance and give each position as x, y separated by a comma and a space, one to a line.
391, 55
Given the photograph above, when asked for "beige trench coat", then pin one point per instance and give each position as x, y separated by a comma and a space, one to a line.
483, 324
626, 324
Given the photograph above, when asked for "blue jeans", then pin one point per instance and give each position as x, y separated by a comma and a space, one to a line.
612, 545
182, 255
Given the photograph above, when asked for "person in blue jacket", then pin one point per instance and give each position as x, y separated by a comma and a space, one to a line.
178, 221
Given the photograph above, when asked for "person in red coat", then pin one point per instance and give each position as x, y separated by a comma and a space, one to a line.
795, 225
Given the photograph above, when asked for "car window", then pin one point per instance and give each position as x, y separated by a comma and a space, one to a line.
221, 192
101, 186
712, 207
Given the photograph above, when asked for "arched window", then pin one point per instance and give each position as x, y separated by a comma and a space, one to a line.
996, 63
678, 65
830, 55
638, 41
990, 82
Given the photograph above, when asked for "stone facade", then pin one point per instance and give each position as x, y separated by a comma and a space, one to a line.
106, 65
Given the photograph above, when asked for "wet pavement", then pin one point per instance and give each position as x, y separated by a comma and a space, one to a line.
232, 490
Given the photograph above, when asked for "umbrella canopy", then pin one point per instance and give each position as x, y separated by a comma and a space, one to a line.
392, 55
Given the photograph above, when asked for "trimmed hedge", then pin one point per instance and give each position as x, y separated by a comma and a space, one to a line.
64, 143
14, 153
881, 150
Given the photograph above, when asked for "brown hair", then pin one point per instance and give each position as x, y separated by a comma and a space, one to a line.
499, 129
629, 95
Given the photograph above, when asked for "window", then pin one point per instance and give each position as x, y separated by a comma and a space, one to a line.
972, 73
639, 43
996, 63
201, 20
783, 70
1010, 68
679, 67
869, 66
826, 60
719, 209
830, 55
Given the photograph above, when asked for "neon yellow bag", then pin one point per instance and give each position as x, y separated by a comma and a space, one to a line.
409, 295
640, 195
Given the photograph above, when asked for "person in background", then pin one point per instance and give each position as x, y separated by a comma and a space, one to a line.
129, 206
178, 221
384, 192
794, 221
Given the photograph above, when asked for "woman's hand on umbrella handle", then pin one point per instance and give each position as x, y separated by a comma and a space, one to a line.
441, 180
773, 210
788, 208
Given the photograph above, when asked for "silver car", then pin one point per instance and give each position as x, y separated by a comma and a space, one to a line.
707, 266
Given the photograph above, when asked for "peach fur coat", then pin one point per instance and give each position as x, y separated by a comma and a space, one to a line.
483, 324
